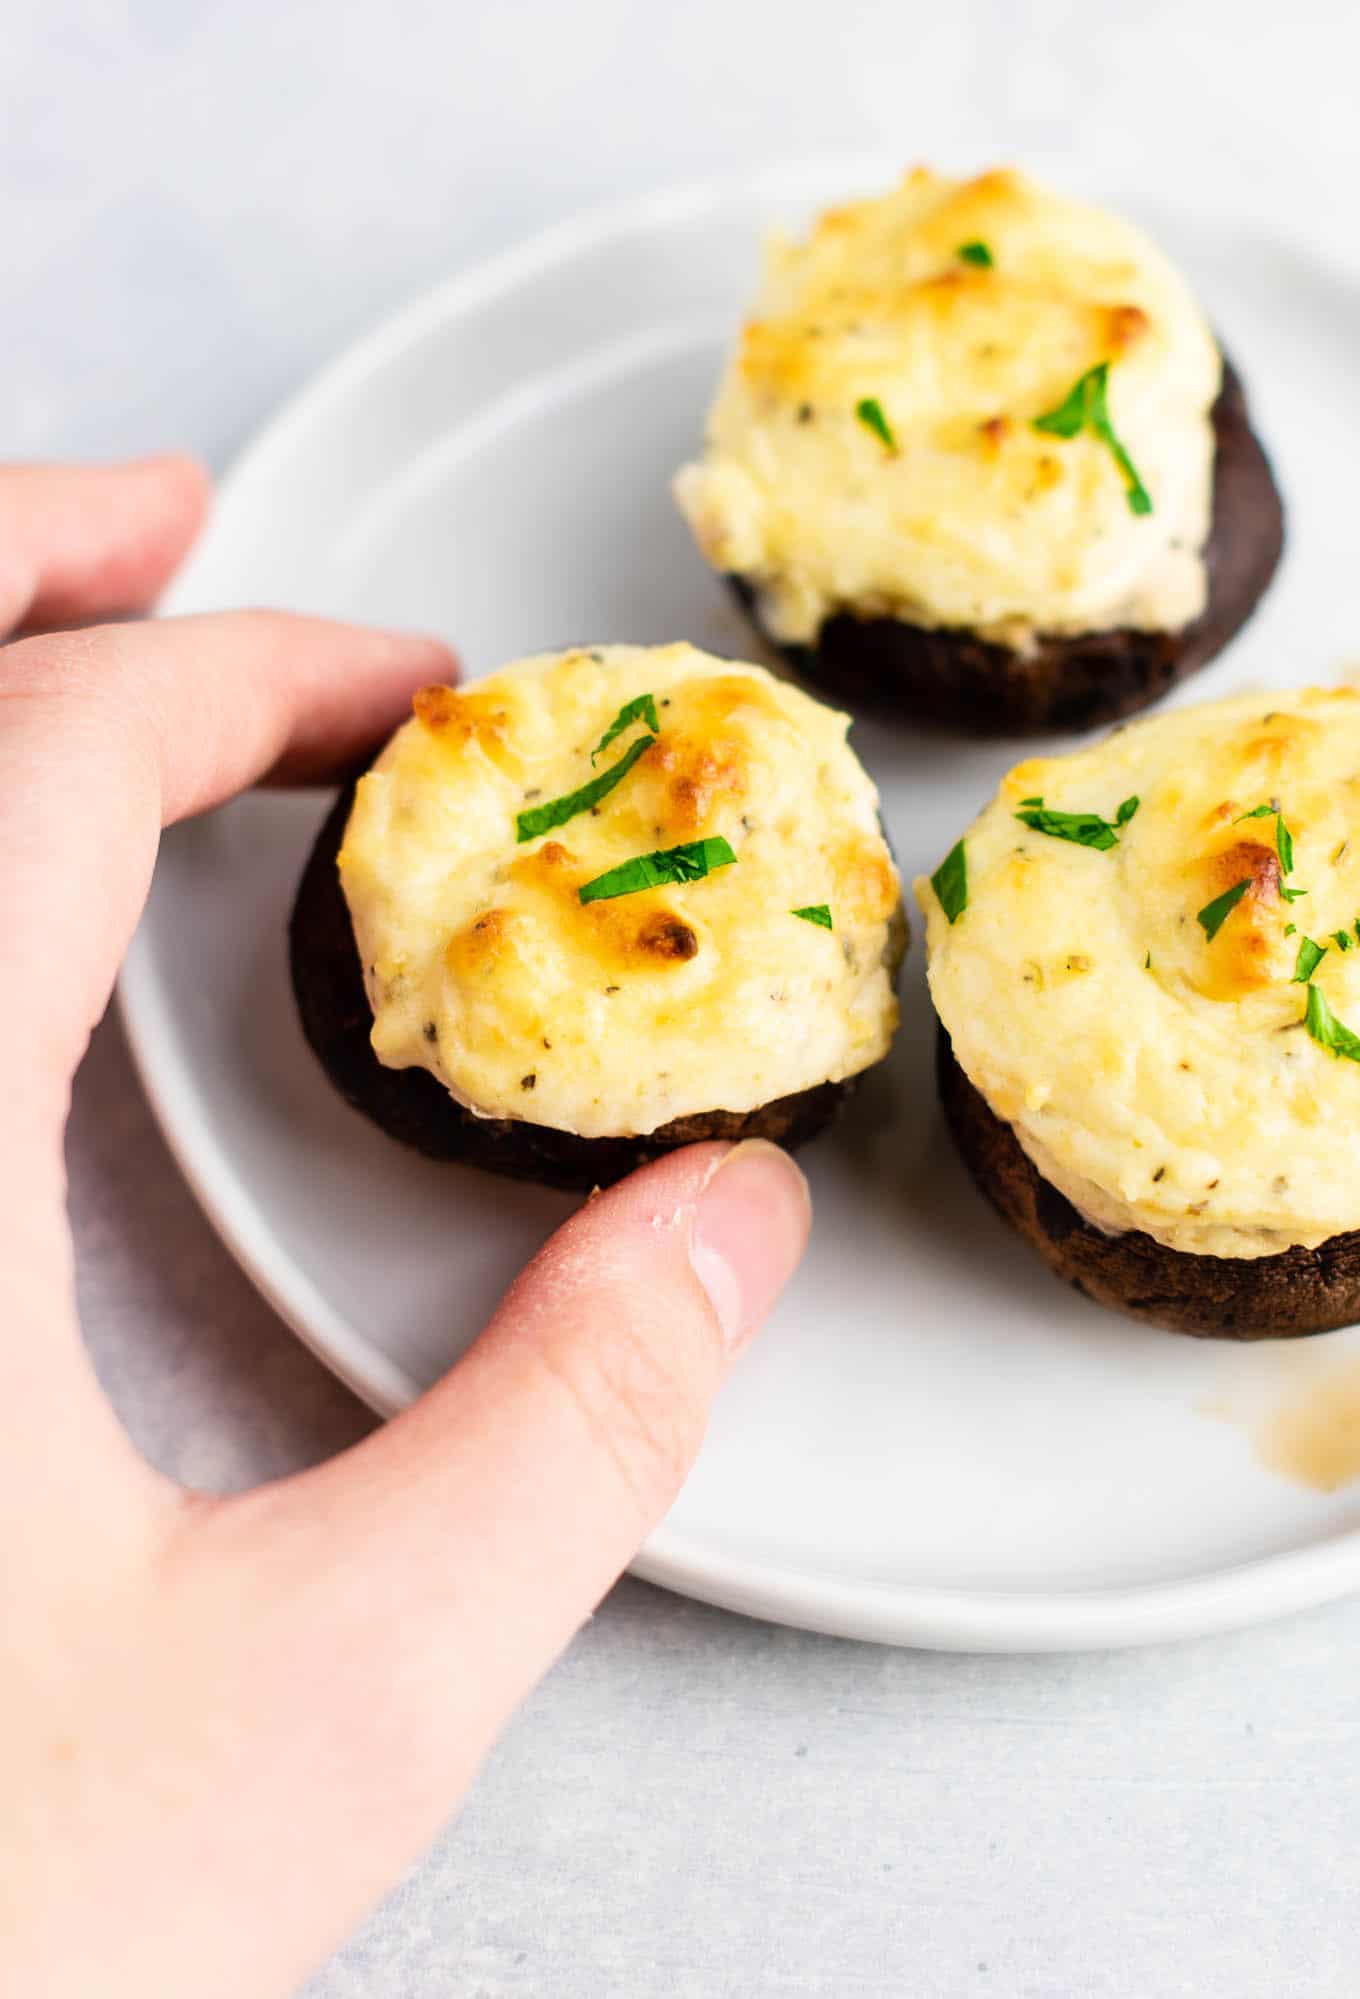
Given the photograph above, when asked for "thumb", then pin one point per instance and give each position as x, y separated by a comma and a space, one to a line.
309, 1686
480, 1527
398, 1602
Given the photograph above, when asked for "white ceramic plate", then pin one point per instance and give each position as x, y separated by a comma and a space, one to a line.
934, 1443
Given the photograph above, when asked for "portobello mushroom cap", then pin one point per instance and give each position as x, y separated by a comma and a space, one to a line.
413, 1106
558, 981
1292, 1293
950, 677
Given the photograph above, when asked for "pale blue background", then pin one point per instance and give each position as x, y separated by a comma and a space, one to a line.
198, 204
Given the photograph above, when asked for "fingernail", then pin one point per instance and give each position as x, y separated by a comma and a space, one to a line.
750, 1225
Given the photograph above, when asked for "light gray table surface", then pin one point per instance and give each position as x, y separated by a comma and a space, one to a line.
199, 204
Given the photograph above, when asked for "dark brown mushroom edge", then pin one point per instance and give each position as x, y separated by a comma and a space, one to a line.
417, 1108
977, 460
1291, 1294
953, 679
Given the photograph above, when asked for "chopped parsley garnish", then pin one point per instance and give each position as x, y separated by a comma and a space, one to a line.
1284, 840
641, 710
814, 912
543, 818
1211, 918
870, 413
1087, 829
689, 863
1293, 894
1086, 407
950, 882
1310, 957
1342, 939
978, 254
1329, 1032
1290, 929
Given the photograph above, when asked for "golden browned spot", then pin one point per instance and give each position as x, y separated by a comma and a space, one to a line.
995, 430
995, 181
776, 357
1277, 739
475, 951
623, 937
1026, 778
1124, 325
836, 221
551, 866
948, 281
1241, 956
1048, 472
698, 777
667, 936
434, 706
1222, 815
1246, 860
461, 716
865, 880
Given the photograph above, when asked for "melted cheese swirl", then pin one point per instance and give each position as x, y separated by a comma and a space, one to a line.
1161, 1078
483, 966
971, 518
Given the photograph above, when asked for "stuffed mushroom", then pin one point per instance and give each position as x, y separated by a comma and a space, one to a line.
1145, 959
977, 458
600, 904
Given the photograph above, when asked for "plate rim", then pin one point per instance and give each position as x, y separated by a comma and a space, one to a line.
803, 1596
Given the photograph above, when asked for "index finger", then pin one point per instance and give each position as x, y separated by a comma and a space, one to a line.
91, 541
108, 734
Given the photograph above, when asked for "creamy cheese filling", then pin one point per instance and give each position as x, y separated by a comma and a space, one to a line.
970, 516
1139, 1012
617, 1015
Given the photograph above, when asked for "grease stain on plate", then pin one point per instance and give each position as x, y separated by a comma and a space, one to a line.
1300, 1408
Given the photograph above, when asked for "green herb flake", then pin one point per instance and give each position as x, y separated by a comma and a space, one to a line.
950, 882
977, 254
1310, 957
1329, 1032
1284, 839
1284, 844
1147, 962
1342, 939
1290, 929
1070, 415
641, 710
688, 863
1086, 829
1213, 915
870, 413
1086, 407
815, 912
543, 818
1293, 894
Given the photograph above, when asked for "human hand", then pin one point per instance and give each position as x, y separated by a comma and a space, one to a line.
226, 1725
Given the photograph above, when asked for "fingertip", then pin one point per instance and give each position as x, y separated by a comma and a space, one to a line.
185, 481
750, 1229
